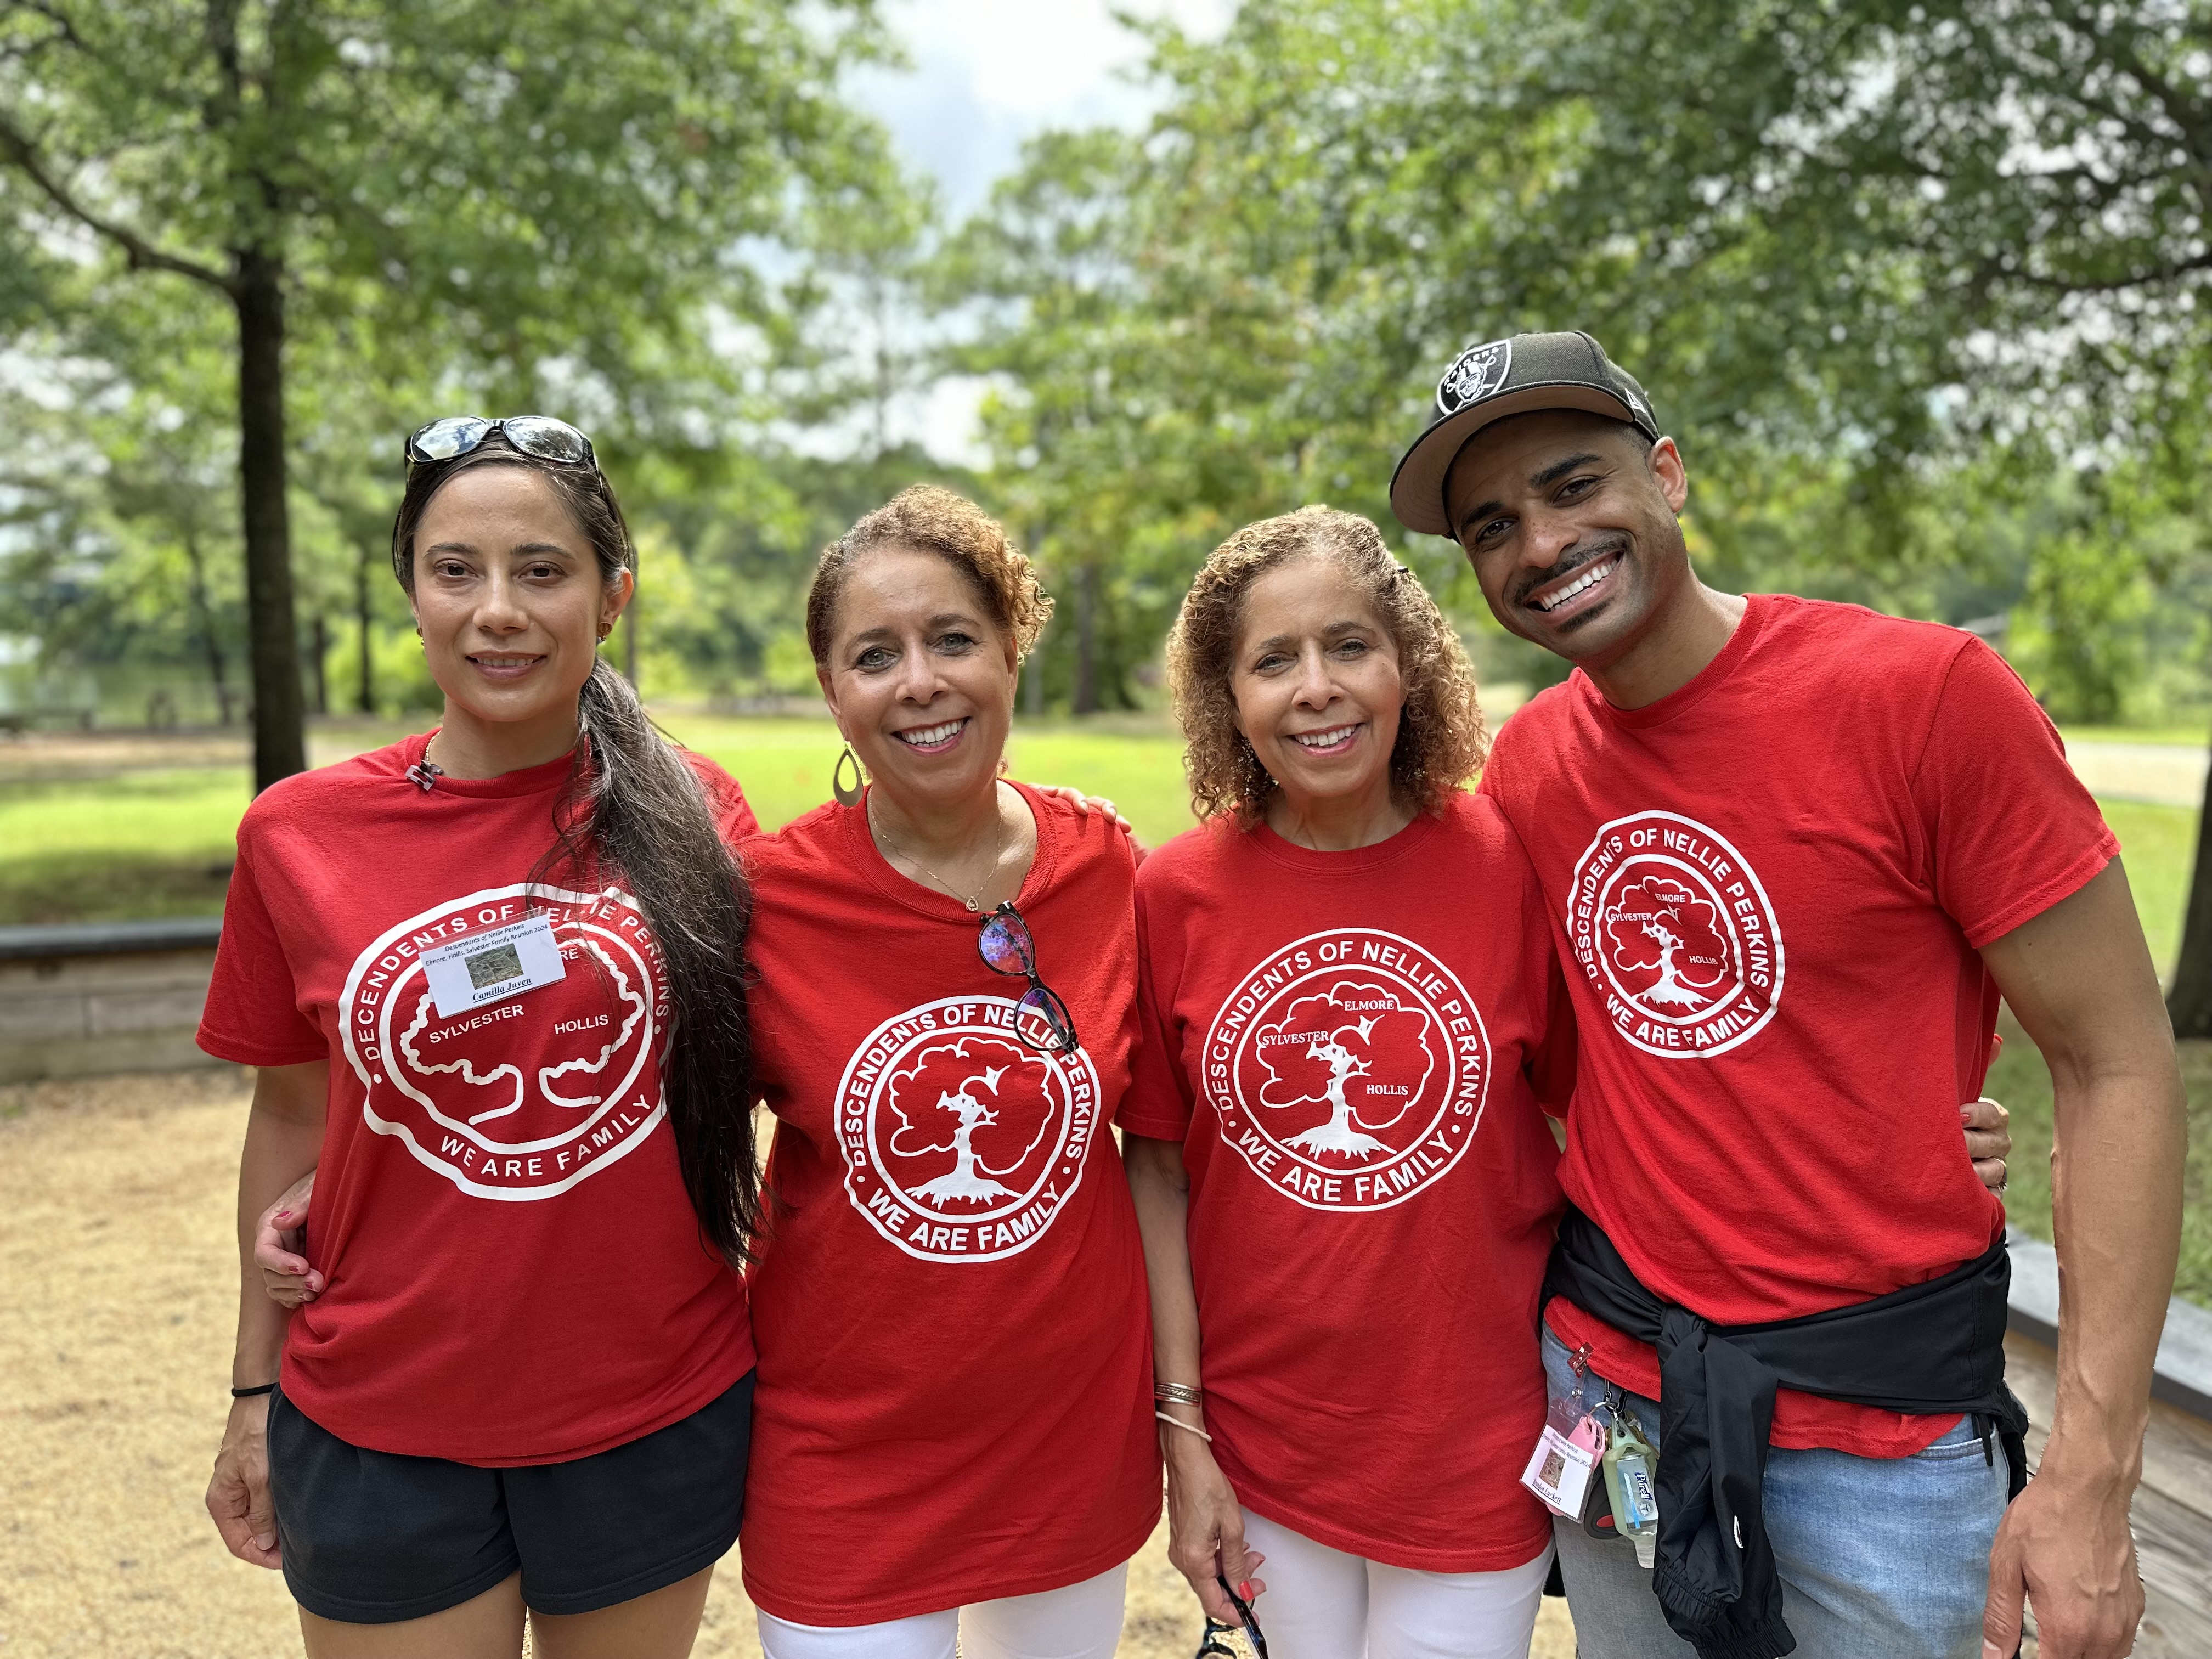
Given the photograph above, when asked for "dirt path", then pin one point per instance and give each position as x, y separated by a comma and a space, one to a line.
117, 1294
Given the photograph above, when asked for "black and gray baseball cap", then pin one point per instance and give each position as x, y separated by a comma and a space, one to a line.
1487, 383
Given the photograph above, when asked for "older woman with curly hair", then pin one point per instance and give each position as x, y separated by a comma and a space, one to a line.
952, 1439
1352, 1011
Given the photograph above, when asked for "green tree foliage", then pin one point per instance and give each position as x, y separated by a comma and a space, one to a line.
534, 196
1881, 264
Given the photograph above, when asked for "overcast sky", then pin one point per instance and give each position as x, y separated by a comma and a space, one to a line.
983, 76
986, 74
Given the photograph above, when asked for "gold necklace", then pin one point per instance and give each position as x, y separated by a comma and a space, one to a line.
997, 856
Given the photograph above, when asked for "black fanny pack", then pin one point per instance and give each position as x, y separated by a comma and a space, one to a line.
1933, 1349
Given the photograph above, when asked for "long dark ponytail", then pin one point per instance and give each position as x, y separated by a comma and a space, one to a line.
631, 808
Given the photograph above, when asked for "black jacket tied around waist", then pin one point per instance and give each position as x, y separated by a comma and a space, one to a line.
1932, 1349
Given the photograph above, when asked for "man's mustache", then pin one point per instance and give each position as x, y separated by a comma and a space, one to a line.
1581, 553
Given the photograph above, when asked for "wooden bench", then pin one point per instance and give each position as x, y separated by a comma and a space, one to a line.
81, 1000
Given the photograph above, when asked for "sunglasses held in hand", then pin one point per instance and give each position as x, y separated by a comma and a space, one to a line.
1239, 1641
1041, 1018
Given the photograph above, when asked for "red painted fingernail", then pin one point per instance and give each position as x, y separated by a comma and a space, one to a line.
1244, 1589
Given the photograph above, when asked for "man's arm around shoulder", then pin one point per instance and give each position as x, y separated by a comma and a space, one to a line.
2079, 977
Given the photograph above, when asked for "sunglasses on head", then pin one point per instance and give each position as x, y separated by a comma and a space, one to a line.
1041, 1018
1220, 1640
541, 435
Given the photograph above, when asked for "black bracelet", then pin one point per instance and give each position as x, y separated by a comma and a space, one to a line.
249, 1394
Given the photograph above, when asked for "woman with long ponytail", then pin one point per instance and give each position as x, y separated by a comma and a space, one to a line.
493, 979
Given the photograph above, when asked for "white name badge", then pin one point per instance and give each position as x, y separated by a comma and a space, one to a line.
493, 966
1561, 1469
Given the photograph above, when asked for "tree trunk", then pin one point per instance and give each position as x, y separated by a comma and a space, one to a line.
1033, 683
2189, 1004
279, 746
365, 687
318, 651
1086, 639
1032, 687
203, 612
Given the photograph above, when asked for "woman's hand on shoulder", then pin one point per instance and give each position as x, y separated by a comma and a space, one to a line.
1086, 805
1988, 1140
278, 1241
1205, 1526
1082, 803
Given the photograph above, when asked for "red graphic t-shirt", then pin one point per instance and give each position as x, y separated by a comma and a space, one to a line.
1344, 1043
1770, 888
954, 1399
515, 1273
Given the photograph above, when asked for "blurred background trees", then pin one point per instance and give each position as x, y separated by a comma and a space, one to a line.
556, 203
1917, 286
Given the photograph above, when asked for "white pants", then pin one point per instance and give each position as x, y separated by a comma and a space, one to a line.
1077, 1621
1324, 1604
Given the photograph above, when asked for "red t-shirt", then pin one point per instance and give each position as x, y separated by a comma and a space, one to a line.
515, 1273
1344, 1044
954, 1401
1770, 888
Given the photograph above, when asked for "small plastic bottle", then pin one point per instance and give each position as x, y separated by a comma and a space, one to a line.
1629, 1462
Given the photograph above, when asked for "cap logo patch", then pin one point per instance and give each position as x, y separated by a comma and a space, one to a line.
1480, 371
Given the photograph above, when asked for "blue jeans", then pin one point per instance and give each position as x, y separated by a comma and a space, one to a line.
1881, 1558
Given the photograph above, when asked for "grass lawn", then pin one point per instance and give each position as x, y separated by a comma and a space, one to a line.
2189, 736
138, 844
2157, 844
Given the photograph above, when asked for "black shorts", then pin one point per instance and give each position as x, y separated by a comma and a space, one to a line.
371, 1538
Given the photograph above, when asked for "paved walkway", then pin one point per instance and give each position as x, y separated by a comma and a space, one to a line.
2163, 775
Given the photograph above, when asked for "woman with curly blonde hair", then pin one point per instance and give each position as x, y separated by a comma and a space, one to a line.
1352, 1011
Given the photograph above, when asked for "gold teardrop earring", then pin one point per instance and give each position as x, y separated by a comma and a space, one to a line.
848, 794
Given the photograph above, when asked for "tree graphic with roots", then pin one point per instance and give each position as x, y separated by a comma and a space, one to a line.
500, 1080
1660, 926
1315, 1055
973, 1097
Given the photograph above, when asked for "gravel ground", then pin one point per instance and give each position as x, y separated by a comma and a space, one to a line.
117, 1287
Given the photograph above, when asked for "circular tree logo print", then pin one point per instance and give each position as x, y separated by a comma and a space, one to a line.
1349, 1069
524, 1095
961, 1142
1671, 923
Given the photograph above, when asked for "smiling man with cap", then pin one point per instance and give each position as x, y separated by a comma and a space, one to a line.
1794, 852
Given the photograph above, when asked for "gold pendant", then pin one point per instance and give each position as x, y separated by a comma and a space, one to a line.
970, 903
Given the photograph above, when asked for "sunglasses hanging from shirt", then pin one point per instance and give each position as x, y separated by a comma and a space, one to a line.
1041, 1018
540, 435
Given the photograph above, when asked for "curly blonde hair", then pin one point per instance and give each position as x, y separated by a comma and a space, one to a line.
1441, 740
937, 521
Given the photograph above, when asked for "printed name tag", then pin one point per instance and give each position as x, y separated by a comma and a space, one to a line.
1560, 1469
493, 966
